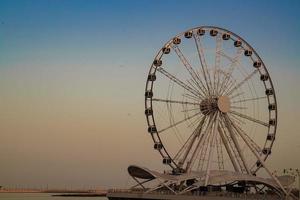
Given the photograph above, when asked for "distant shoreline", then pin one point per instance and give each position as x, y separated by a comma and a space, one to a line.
56, 191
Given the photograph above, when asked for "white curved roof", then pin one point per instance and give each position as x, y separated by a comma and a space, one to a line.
216, 177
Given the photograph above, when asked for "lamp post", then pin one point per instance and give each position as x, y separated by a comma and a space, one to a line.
294, 172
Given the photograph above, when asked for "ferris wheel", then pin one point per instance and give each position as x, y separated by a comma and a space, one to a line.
210, 103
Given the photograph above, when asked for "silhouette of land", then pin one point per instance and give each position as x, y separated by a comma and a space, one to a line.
61, 192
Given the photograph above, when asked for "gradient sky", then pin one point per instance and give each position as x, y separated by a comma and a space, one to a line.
72, 78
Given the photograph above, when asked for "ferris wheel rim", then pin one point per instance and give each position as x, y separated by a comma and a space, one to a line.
149, 87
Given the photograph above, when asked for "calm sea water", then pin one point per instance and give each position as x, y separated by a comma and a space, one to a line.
42, 196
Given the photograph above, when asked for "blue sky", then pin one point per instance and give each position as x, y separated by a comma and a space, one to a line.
64, 63
112, 27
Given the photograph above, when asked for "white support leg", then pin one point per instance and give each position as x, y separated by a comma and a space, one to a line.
260, 159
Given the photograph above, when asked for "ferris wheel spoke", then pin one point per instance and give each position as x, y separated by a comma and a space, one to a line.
192, 84
179, 82
219, 149
234, 60
253, 143
211, 148
217, 64
227, 148
196, 134
202, 146
179, 122
249, 118
191, 97
204, 136
200, 156
199, 144
193, 123
230, 71
234, 151
188, 110
174, 101
239, 107
242, 82
237, 119
203, 63
181, 150
184, 146
190, 69
251, 99
228, 125
237, 95
229, 85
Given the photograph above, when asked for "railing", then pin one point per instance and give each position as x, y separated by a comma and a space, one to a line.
198, 193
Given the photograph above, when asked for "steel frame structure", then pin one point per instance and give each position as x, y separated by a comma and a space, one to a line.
211, 93
206, 87
212, 103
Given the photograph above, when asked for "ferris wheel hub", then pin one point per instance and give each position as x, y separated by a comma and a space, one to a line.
214, 104
224, 104
209, 105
